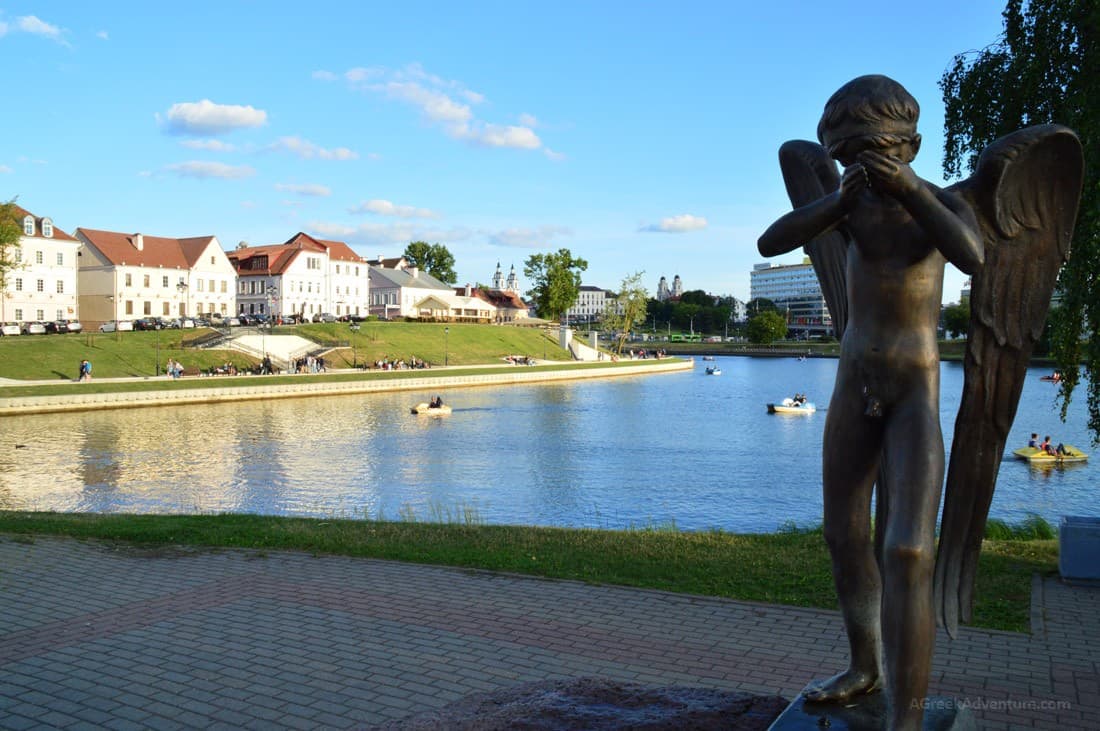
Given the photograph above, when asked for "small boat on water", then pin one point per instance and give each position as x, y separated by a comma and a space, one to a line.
1037, 456
790, 406
1055, 377
426, 409
708, 357
714, 371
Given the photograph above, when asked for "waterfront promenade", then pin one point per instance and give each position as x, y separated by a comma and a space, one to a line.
219, 388
102, 635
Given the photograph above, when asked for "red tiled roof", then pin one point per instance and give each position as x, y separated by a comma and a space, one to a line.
21, 213
156, 251
497, 297
280, 256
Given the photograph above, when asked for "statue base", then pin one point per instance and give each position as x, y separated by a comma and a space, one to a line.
868, 713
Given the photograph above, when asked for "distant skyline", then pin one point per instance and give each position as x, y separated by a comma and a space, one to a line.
642, 136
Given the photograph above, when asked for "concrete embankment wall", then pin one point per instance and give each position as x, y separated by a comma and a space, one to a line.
519, 375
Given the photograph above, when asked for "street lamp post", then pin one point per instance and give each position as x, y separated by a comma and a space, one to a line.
181, 287
271, 294
446, 333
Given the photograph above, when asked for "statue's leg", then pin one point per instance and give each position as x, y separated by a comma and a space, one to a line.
914, 464
850, 461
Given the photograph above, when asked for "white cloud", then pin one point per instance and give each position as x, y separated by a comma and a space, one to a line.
324, 75
211, 145
677, 224
37, 27
312, 189
308, 150
204, 170
553, 155
446, 103
527, 238
5, 169
207, 118
102, 35
386, 208
389, 235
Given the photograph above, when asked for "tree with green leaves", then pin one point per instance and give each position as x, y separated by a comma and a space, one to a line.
766, 327
1045, 67
628, 310
956, 319
556, 281
11, 230
435, 259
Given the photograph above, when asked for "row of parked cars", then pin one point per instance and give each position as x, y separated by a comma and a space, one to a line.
41, 328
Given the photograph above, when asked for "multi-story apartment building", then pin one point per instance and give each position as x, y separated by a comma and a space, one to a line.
590, 305
795, 291
126, 276
304, 276
43, 283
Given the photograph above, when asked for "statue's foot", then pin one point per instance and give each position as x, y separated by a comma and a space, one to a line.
842, 686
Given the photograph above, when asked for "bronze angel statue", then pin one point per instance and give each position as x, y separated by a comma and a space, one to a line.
879, 237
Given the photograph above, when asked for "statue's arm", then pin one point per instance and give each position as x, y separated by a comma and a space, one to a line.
951, 224
802, 225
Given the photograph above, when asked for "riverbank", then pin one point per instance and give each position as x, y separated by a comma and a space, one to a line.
787, 567
38, 398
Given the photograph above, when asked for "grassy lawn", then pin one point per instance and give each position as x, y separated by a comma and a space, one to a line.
784, 568
123, 354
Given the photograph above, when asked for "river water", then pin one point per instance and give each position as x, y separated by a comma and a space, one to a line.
683, 449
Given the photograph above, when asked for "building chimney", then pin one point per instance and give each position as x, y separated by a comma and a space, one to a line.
379, 259
139, 242
468, 292
414, 272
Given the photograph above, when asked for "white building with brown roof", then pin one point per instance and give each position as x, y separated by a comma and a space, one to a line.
126, 276
304, 276
43, 284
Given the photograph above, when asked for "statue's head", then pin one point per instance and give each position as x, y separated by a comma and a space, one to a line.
869, 112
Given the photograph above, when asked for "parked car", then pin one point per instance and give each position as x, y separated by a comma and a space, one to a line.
289, 319
246, 319
231, 322
185, 323
147, 323
33, 328
324, 317
201, 321
74, 326
57, 326
10, 328
116, 326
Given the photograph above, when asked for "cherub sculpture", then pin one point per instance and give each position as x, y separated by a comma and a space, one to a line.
879, 237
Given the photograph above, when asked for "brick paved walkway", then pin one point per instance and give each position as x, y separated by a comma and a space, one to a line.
94, 635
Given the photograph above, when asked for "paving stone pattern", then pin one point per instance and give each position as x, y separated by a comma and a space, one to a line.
95, 635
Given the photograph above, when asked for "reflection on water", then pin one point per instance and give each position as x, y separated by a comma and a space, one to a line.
698, 451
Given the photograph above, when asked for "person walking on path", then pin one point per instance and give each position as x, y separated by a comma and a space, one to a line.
85, 370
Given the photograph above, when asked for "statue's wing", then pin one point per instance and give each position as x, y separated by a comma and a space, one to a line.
810, 174
1025, 193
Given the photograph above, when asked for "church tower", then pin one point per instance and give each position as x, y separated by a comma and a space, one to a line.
677, 287
662, 290
513, 281
498, 278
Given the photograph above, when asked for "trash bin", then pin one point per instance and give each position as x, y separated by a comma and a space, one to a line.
1079, 547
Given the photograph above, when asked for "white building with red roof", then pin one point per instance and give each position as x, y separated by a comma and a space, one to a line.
126, 276
43, 284
305, 276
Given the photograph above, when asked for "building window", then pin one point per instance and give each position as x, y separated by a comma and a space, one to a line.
40, 315
41, 285
147, 308
164, 283
28, 225
198, 284
60, 315
129, 280
211, 259
19, 314
60, 286
225, 287
129, 307
18, 285
145, 282
18, 254
47, 228
60, 259
38, 258
167, 308
337, 268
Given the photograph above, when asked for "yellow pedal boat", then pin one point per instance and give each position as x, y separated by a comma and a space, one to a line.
1034, 455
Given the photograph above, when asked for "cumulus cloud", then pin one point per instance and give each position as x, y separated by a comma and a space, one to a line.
307, 150
677, 224
386, 208
553, 155
527, 238
386, 235
206, 118
34, 26
310, 189
445, 103
211, 145
102, 35
203, 170
5, 169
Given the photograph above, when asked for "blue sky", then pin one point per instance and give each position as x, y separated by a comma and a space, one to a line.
640, 135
